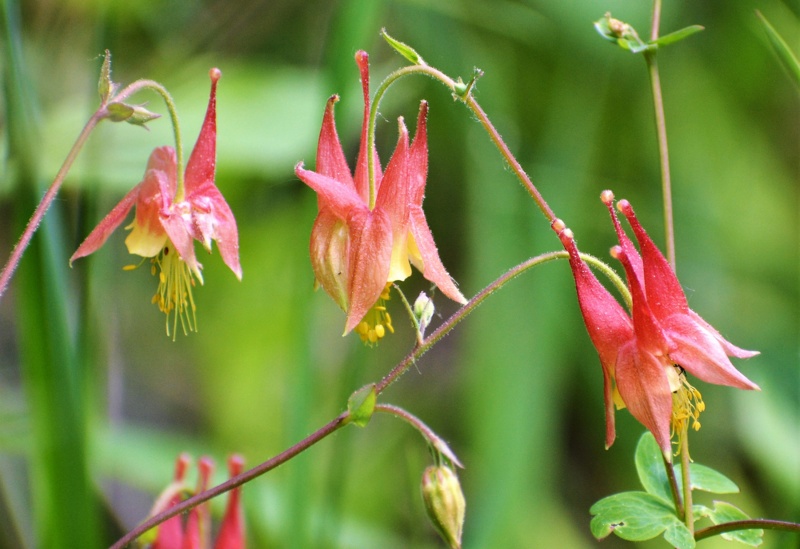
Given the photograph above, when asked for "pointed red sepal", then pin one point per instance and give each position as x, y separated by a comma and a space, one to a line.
202, 164
231, 534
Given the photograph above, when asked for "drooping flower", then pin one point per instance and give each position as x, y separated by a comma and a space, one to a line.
645, 355
194, 532
357, 247
170, 215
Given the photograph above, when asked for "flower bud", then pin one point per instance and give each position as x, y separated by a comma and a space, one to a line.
444, 502
423, 310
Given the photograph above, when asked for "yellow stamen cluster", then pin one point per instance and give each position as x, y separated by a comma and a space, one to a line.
687, 405
377, 320
174, 294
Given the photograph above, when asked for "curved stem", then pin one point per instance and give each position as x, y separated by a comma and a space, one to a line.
233, 482
47, 200
173, 114
473, 105
427, 433
342, 420
751, 524
423, 346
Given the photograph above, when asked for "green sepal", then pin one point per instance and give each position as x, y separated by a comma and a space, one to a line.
621, 33
639, 516
403, 49
119, 112
725, 512
677, 36
787, 58
105, 87
361, 405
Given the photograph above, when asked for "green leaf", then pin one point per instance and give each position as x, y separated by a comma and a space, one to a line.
650, 468
403, 49
708, 480
361, 405
677, 36
725, 512
638, 516
787, 58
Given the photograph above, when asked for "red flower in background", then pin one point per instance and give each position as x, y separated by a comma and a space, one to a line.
170, 216
195, 531
644, 355
358, 248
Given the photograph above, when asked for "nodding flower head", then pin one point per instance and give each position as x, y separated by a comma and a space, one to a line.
368, 234
645, 354
173, 212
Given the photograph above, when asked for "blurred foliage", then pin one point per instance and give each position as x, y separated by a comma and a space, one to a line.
517, 389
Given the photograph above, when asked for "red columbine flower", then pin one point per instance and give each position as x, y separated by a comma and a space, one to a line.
358, 248
644, 355
195, 531
170, 215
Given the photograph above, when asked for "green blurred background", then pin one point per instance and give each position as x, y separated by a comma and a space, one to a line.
96, 402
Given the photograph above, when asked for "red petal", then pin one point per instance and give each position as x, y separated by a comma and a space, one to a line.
664, 292
393, 194
644, 387
177, 232
418, 158
730, 348
330, 156
340, 198
699, 352
432, 267
607, 323
362, 172
330, 254
625, 243
370, 255
203, 161
214, 220
231, 533
110, 222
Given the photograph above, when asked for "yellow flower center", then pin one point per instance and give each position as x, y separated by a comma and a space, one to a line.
687, 405
377, 320
174, 294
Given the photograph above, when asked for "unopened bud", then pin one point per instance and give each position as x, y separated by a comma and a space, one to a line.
444, 502
423, 310
132, 114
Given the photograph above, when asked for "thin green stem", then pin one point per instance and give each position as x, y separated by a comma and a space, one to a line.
176, 127
686, 478
663, 152
470, 306
656, 20
427, 433
750, 524
234, 482
47, 200
673, 487
661, 130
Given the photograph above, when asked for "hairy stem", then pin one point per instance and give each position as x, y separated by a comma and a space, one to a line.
331, 427
673, 488
176, 127
751, 524
661, 130
47, 200
686, 478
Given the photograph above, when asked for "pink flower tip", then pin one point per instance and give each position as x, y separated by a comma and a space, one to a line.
607, 197
215, 74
